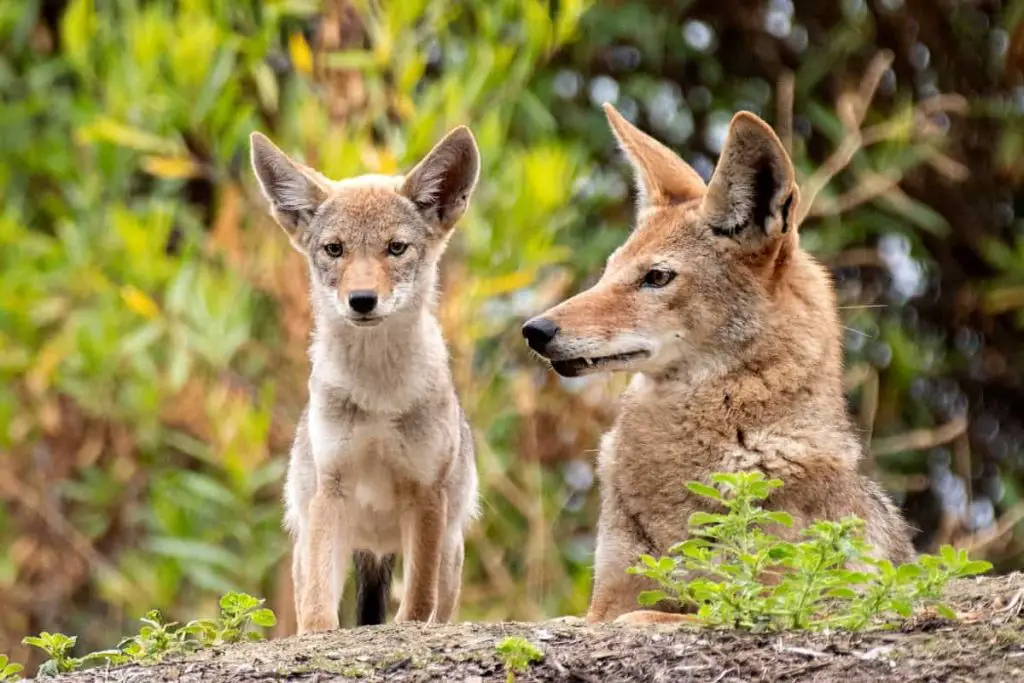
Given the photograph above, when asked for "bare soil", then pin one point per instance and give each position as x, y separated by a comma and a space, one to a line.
985, 644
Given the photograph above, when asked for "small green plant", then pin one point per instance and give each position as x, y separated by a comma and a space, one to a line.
239, 614
156, 639
9, 671
517, 654
59, 646
827, 580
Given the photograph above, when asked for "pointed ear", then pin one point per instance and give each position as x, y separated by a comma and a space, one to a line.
294, 191
753, 195
441, 184
662, 177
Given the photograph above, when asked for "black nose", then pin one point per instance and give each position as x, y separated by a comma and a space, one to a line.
539, 332
362, 301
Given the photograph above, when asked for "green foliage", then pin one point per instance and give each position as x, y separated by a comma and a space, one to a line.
58, 647
238, 614
517, 654
241, 616
828, 580
9, 671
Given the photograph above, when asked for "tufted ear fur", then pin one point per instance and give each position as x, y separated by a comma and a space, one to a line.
753, 196
294, 191
441, 184
661, 176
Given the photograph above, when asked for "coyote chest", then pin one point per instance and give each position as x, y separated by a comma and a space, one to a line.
376, 463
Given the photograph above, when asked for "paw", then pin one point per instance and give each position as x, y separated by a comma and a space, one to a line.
318, 621
646, 617
422, 615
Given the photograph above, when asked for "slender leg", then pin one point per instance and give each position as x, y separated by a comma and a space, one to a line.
450, 579
325, 548
297, 576
423, 523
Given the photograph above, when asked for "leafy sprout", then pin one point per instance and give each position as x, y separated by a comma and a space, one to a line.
829, 579
517, 654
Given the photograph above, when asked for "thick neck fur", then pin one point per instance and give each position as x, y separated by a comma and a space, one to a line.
385, 369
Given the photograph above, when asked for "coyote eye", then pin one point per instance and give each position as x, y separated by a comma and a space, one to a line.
658, 278
397, 248
334, 249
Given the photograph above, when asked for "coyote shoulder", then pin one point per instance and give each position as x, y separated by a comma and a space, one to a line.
382, 461
733, 333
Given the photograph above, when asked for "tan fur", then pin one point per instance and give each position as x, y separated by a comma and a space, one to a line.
383, 456
738, 359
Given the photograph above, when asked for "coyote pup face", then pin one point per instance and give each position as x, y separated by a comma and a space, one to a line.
373, 242
695, 281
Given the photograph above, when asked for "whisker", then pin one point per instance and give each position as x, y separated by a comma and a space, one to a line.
860, 332
860, 306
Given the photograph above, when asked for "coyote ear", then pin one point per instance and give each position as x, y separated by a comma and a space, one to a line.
441, 184
293, 190
662, 177
753, 195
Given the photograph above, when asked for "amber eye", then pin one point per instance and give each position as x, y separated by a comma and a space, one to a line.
334, 249
397, 248
657, 277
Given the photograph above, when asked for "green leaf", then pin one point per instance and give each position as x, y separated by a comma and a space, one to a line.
354, 60
975, 567
907, 572
902, 607
842, 593
704, 490
945, 611
703, 519
263, 617
780, 518
653, 597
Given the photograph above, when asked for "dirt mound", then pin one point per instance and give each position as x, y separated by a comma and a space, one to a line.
987, 644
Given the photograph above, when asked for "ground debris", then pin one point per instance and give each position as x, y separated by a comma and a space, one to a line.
986, 646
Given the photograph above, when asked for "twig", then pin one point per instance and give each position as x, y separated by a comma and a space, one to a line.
871, 186
856, 257
1005, 523
784, 113
852, 108
920, 439
724, 674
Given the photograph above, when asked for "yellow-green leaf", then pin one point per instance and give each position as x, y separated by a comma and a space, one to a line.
302, 56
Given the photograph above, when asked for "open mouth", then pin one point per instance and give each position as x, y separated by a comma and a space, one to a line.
573, 367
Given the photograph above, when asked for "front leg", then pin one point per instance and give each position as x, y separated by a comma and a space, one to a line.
621, 540
326, 549
423, 526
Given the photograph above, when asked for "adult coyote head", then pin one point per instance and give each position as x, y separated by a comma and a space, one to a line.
373, 242
708, 268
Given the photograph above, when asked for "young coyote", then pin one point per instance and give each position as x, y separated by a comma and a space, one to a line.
383, 456
734, 334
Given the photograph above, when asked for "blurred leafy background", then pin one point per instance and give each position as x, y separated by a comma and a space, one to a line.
153, 321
